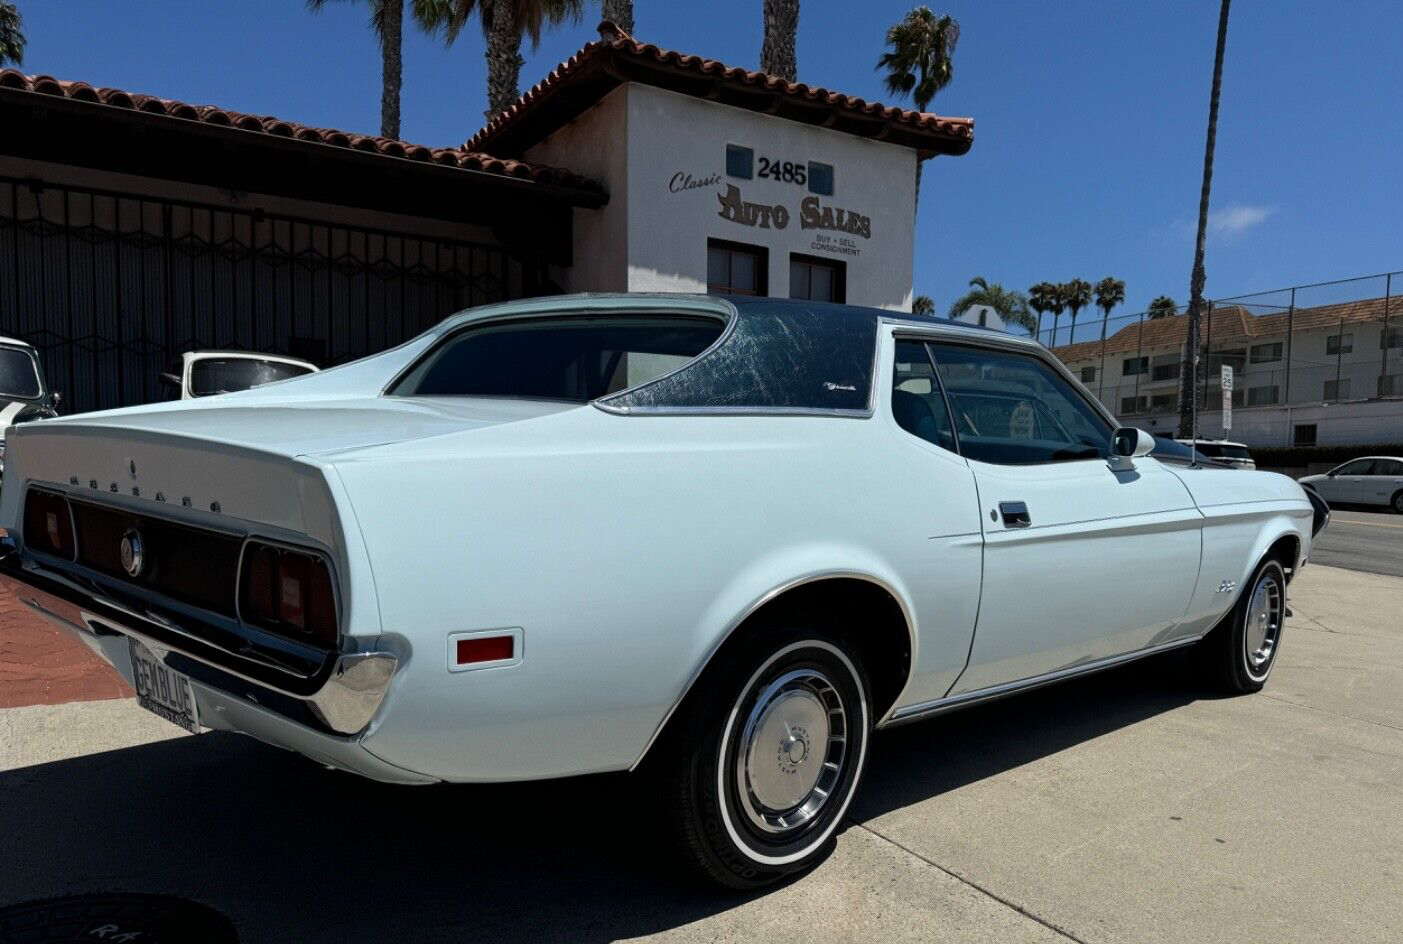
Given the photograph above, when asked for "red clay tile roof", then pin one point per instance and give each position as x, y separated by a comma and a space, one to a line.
1233, 323
259, 124
617, 57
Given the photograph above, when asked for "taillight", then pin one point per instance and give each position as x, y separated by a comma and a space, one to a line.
288, 592
48, 525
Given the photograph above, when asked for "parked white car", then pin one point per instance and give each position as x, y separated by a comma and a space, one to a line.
24, 394
206, 373
722, 541
1371, 480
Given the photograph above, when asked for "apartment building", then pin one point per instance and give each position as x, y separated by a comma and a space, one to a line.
1324, 375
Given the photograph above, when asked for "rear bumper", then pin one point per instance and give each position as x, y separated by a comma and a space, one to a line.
322, 718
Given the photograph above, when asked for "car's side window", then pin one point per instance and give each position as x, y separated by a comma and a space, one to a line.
1014, 409
1388, 467
916, 400
1357, 467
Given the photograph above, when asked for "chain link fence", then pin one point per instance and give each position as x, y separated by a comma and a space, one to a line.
1312, 365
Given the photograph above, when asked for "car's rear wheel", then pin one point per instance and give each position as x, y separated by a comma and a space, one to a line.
766, 759
1397, 502
1241, 650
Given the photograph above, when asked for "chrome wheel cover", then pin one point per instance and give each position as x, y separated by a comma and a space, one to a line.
1262, 627
791, 752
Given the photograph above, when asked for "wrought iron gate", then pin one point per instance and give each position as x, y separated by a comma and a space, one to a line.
110, 286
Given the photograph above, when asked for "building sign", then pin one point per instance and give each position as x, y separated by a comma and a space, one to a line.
1227, 397
813, 214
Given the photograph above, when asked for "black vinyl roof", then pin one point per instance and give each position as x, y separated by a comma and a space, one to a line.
777, 354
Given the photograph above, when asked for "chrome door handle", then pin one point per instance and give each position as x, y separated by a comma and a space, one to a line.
1015, 514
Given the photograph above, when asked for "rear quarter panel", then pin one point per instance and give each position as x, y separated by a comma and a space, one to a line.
625, 548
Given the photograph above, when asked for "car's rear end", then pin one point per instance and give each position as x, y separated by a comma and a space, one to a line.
213, 570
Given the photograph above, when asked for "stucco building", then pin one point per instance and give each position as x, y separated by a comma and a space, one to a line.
1322, 375
133, 228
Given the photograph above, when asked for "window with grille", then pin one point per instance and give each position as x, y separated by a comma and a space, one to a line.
740, 162
1134, 365
1263, 396
1088, 374
1165, 372
1339, 344
817, 280
735, 269
1337, 389
1304, 435
1266, 353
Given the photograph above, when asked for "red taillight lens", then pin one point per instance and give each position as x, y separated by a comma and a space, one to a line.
48, 526
289, 592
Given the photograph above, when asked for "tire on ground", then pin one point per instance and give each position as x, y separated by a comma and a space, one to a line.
1238, 655
761, 765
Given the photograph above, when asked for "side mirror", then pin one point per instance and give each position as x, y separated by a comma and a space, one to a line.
1129, 444
170, 380
55, 398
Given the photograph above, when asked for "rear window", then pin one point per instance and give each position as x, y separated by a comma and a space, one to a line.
576, 359
213, 375
19, 378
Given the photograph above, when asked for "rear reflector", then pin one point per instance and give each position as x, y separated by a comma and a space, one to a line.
485, 649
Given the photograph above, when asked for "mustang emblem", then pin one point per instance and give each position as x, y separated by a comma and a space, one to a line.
133, 553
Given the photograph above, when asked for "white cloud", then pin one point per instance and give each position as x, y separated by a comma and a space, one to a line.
1237, 218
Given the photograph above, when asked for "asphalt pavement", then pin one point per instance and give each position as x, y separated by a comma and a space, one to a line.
1370, 541
1128, 807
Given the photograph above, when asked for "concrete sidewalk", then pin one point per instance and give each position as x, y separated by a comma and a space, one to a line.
1125, 807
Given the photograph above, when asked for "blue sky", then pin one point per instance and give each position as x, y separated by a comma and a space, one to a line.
1089, 116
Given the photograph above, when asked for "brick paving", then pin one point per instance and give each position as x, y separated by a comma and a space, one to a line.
42, 665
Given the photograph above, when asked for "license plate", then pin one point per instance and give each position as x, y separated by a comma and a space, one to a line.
161, 689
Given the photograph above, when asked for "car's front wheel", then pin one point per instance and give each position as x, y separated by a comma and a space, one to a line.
1241, 650
768, 757
1398, 501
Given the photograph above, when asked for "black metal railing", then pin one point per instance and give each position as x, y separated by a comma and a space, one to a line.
110, 287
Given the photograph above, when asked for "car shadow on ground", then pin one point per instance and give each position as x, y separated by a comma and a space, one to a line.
290, 851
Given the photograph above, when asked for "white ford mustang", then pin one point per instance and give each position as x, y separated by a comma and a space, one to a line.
718, 541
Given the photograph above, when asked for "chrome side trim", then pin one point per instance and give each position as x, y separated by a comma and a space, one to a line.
951, 703
750, 611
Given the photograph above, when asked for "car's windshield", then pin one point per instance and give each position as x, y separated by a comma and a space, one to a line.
1229, 452
19, 377
210, 375
576, 358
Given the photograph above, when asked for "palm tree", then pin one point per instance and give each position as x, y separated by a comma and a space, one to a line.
1011, 306
918, 61
1110, 292
923, 305
777, 56
620, 13
1056, 303
1189, 375
387, 20
1163, 307
1077, 295
1040, 299
504, 22
11, 34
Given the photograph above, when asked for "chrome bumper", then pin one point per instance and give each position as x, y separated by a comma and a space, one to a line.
344, 697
